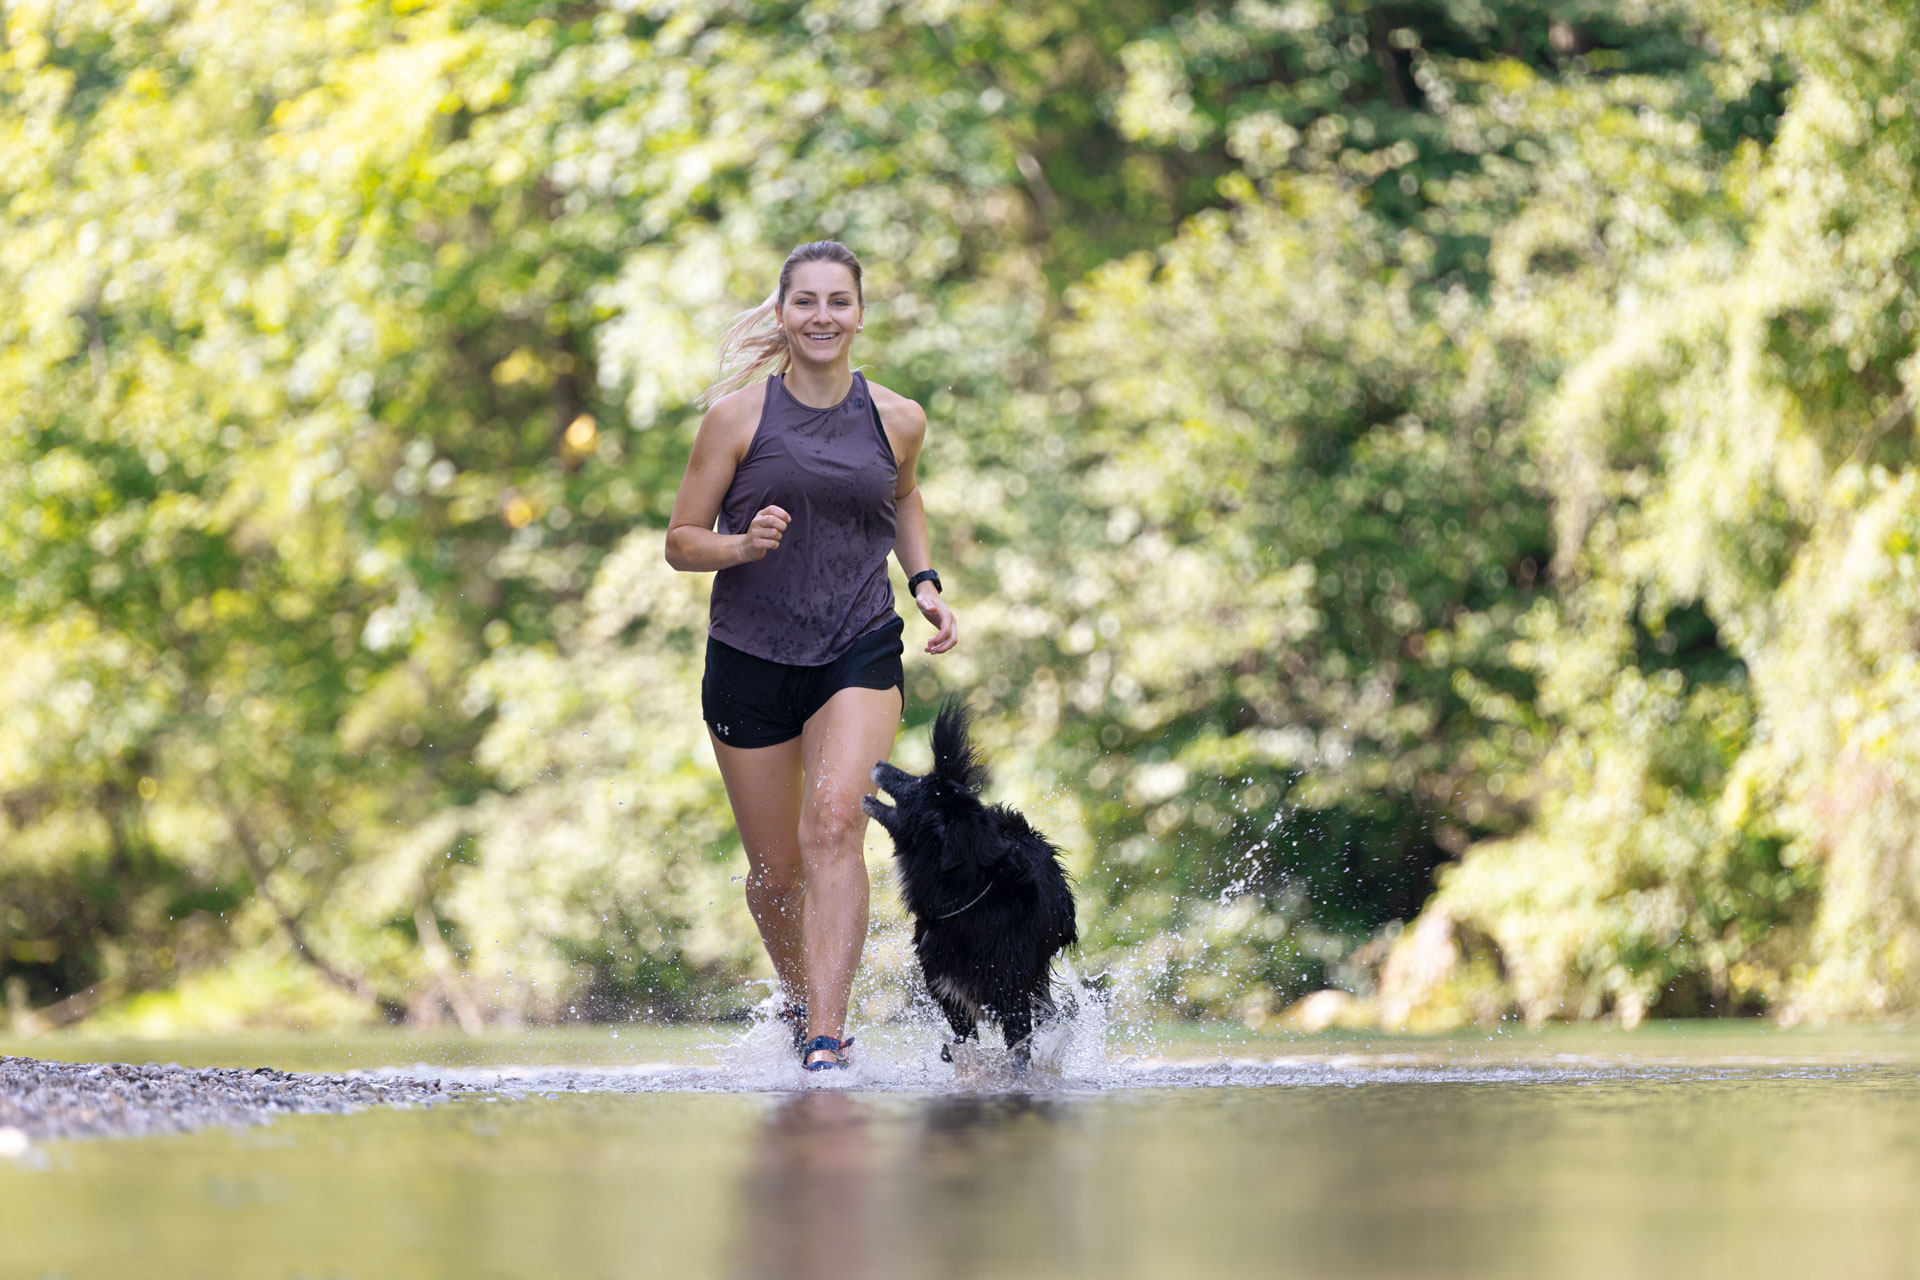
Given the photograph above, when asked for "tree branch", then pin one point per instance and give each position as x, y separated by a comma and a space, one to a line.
439, 958
354, 984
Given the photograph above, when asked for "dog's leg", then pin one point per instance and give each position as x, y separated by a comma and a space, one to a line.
1018, 1026
960, 1018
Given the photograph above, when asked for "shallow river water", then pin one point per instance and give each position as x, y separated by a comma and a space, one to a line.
1670, 1151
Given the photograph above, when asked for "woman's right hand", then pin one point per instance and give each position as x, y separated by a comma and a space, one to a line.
764, 531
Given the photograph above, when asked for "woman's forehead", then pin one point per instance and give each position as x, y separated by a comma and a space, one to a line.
821, 277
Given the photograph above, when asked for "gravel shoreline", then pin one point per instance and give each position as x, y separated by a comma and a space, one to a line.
40, 1099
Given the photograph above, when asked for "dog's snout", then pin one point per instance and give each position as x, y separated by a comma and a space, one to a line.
879, 772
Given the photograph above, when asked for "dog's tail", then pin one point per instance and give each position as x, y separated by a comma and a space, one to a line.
954, 758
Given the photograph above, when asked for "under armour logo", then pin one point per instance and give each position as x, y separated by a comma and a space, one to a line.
722, 730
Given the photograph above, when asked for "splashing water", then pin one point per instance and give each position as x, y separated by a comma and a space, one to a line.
900, 1051
899, 1034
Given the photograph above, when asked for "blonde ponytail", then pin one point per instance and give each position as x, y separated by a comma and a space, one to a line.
754, 343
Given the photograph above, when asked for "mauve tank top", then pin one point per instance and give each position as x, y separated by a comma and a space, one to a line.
805, 602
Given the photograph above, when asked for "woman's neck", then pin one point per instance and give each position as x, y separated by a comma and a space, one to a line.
818, 388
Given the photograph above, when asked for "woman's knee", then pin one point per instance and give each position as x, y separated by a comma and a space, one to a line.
777, 877
833, 826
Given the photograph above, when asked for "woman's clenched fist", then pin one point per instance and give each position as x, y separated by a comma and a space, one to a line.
768, 526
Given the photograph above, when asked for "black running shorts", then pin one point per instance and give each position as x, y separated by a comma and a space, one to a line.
752, 702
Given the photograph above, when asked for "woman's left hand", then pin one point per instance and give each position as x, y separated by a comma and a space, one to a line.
934, 609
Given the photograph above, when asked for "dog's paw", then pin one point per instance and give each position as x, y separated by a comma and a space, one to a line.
875, 807
965, 1055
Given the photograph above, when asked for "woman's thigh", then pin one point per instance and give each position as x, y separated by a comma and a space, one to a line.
763, 786
842, 741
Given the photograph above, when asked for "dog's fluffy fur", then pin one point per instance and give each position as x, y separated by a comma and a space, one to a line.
990, 902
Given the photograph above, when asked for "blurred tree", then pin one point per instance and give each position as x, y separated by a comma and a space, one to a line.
1362, 430
1729, 811
343, 338
1271, 548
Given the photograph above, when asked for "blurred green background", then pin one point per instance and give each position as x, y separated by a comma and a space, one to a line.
1430, 490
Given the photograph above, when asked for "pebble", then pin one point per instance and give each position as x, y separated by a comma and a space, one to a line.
41, 1100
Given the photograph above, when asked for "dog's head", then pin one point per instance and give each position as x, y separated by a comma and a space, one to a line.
926, 806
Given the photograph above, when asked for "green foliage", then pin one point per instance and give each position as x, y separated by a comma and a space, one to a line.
351, 341
1365, 433
1305, 523
1736, 830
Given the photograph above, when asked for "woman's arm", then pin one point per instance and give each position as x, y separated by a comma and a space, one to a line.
906, 425
692, 544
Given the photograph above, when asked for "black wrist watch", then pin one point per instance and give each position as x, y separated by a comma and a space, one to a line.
925, 575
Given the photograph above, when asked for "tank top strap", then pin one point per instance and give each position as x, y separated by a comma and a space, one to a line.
873, 414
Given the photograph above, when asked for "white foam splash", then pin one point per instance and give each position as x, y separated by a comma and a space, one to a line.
899, 1034
974, 1074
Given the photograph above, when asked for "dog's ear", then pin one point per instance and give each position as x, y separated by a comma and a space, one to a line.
954, 759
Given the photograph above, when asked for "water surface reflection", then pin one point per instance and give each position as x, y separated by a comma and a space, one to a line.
842, 1184
806, 1191
1498, 1165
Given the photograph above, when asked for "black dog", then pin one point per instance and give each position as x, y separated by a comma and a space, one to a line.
990, 902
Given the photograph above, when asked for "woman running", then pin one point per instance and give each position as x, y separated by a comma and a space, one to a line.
809, 473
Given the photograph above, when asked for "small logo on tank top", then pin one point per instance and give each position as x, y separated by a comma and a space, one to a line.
859, 402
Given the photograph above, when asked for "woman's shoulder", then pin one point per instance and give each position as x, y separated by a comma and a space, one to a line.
744, 403
736, 415
897, 411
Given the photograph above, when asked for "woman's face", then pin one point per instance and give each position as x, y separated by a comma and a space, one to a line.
821, 313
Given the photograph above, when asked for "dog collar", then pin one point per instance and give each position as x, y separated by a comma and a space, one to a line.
957, 910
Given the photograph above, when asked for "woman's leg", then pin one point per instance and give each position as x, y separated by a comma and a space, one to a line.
840, 745
763, 786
